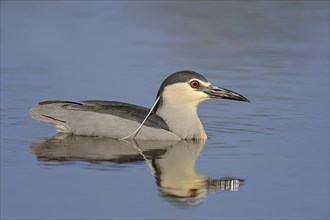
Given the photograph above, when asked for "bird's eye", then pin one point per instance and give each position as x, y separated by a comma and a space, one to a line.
194, 84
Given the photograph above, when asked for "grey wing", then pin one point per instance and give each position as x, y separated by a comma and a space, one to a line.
126, 111
101, 118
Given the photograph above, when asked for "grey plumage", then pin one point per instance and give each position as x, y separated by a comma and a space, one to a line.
120, 109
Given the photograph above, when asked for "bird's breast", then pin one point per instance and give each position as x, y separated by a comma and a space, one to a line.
186, 125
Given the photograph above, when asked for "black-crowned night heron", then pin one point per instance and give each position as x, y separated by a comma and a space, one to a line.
173, 116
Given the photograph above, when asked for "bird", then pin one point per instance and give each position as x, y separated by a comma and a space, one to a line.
172, 117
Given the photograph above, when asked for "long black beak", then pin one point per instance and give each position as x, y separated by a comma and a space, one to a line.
220, 93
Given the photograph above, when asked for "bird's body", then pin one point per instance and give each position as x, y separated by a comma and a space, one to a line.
174, 116
102, 118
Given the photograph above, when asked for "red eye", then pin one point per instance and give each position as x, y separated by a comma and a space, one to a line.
194, 84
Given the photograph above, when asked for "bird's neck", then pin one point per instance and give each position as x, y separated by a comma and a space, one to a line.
182, 119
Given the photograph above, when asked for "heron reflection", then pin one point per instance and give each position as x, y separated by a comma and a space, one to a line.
173, 163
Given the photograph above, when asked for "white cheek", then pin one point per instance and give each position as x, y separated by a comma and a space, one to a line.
201, 95
182, 92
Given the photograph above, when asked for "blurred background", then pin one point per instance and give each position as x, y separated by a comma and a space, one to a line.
276, 53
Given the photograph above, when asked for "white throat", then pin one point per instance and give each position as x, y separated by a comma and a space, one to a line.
179, 110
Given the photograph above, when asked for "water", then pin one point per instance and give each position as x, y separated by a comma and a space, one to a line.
276, 53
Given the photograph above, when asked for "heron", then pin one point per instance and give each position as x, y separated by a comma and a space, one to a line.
172, 117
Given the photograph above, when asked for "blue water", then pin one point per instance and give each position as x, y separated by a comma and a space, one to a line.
276, 53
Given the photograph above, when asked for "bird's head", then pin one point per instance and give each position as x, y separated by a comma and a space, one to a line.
188, 87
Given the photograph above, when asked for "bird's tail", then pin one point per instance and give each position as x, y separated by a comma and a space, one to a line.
53, 113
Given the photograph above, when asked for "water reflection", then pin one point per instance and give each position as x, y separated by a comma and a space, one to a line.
171, 162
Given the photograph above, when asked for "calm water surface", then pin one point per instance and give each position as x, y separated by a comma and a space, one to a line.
266, 159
